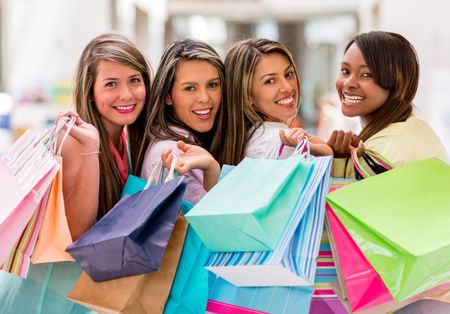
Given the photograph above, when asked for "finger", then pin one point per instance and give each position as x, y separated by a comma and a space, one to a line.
167, 156
183, 146
355, 140
339, 138
346, 140
332, 138
360, 149
282, 134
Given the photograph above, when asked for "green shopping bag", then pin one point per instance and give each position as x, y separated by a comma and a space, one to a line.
400, 220
249, 208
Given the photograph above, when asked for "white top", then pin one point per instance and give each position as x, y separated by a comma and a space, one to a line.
265, 142
194, 178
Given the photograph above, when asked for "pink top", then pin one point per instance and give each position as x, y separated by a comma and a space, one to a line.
121, 161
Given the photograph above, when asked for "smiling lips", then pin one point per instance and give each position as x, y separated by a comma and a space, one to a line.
125, 109
286, 102
203, 114
352, 99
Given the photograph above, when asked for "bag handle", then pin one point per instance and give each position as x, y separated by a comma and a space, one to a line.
376, 162
157, 173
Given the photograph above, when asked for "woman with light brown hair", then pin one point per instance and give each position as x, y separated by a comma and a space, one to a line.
263, 96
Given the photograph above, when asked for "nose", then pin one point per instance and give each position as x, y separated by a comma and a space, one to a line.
286, 86
202, 96
125, 92
350, 81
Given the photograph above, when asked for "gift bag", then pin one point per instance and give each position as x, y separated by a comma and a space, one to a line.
21, 191
293, 261
18, 261
44, 290
26, 171
145, 293
54, 233
399, 220
249, 209
360, 287
225, 298
189, 293
131, 238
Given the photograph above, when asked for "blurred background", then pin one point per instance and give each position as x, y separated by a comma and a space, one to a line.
41, 41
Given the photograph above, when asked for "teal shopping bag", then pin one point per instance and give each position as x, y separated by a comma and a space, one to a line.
189, 293
44, 290
248, 209
400, 220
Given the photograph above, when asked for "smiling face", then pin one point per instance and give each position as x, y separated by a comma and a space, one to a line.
196, 94
360, 94
119, 95
275, 90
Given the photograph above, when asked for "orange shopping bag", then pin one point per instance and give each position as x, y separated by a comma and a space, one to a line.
54, 234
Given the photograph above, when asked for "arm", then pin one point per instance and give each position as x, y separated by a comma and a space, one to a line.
81, 176
194, 157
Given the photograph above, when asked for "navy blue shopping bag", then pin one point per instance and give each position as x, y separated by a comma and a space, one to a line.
131, 238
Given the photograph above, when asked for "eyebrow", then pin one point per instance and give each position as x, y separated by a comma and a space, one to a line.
271, 74
361, 66
195, 83
115, 78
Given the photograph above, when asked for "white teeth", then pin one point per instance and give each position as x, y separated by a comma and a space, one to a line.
202, 112
124, 107
285, 101
353, 99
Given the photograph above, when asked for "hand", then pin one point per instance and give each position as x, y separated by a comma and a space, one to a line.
292, 136
86, 134
193, 157
342, 142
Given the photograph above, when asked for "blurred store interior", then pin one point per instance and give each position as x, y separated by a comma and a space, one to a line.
41, 40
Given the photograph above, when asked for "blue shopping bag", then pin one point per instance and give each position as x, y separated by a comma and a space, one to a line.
293, 260
131, 238
189, 293
275, 300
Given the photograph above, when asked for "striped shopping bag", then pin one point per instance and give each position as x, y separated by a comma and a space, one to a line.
293, 261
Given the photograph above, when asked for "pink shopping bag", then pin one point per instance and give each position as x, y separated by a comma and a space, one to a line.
13, 225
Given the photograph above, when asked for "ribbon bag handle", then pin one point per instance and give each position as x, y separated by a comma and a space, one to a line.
376, 162
157, 174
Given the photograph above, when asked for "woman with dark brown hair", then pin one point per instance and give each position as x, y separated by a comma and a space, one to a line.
377, 81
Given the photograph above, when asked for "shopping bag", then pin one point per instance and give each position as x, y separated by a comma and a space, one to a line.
131, 238
26, 172
249, 209
145, 293
189, 292
225, 298
399, 220
54, 233
44, 290
361, 288
18, 261
293, 261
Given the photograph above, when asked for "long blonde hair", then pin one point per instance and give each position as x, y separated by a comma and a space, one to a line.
117, 48
240, 63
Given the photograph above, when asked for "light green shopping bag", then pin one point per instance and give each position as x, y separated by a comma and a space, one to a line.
401, 221
249, 208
